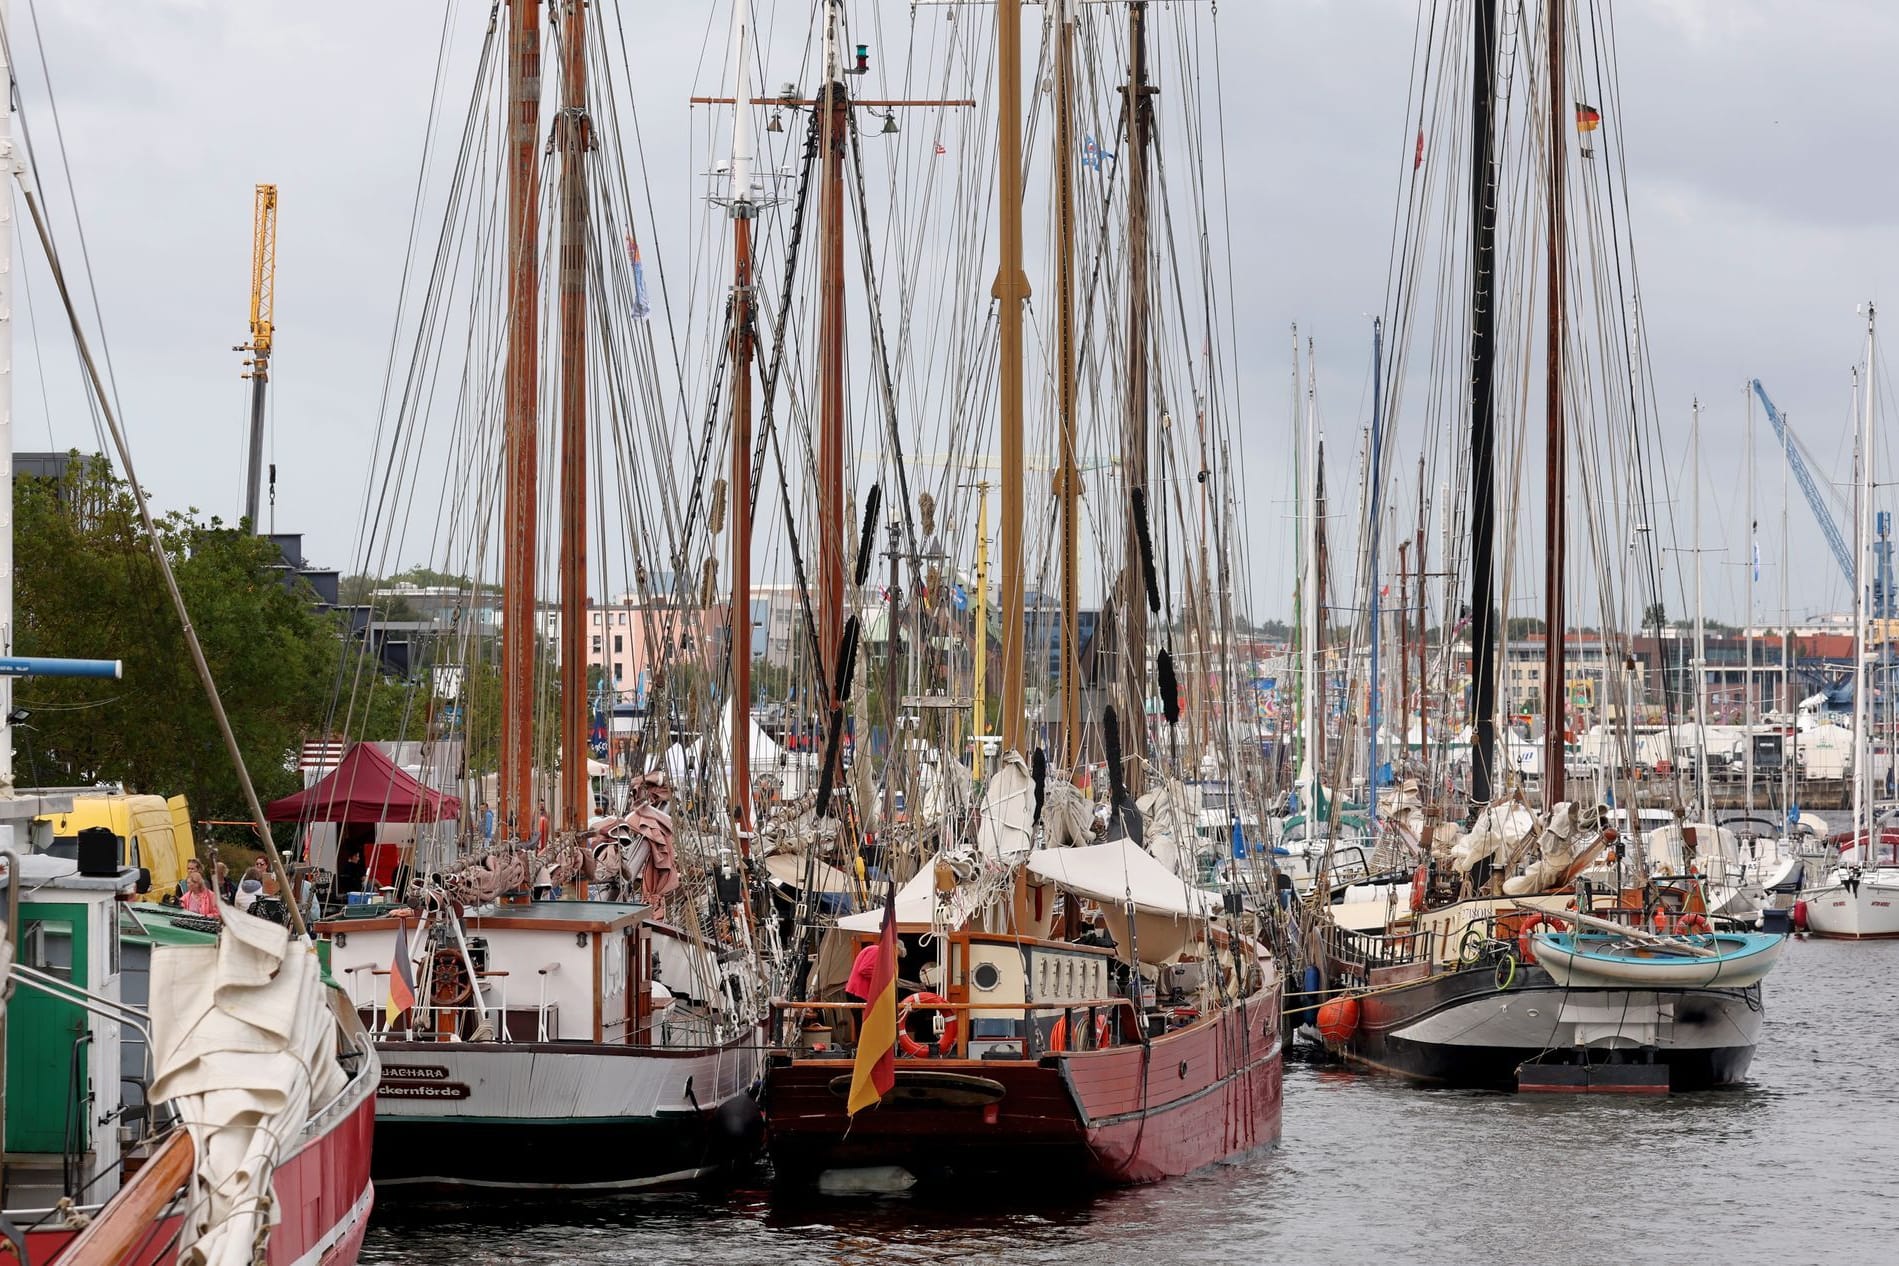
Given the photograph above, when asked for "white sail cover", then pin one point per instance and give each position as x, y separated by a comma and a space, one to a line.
1007, 829
244, 1047
1118, 873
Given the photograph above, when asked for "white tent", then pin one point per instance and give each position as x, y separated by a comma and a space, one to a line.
916, 903
1119, 874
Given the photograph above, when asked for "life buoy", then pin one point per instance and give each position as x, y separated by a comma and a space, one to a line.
1553, 922
929, 1001
1693, 922
1420, 884
1058, 1036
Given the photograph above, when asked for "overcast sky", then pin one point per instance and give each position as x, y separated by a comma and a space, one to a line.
1759, 143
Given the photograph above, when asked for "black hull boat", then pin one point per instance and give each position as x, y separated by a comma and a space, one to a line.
1503, 1023
1460, 1029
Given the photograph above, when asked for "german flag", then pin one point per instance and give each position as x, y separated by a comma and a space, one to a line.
401, 975
874, 1073
1588, 118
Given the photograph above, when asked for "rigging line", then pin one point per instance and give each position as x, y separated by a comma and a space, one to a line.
787, 301
880, 358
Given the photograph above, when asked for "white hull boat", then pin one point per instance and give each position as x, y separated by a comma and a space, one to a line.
1855, 904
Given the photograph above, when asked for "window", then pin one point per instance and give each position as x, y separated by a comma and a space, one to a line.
596, 619
596, 644
622, 618
618, 672
618, 646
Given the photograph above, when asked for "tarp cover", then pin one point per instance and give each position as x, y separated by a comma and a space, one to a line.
365, 786
1116, 873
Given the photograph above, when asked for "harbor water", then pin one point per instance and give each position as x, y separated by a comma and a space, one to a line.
1794, 1167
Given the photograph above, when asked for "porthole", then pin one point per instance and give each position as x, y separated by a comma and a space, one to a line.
986, 976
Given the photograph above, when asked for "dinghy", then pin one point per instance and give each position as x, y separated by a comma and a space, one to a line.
1594, 960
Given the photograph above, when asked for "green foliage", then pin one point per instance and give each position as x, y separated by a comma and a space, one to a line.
86, 586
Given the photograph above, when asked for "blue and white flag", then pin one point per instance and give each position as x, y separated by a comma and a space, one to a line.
1092, 153
959, 598
1757, 560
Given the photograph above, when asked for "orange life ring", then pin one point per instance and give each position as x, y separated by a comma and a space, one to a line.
909, 1045
1551, 921
1420, 883
1058, 1036
1692, 922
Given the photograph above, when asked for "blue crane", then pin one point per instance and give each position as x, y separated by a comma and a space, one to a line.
1836, 542
1882, 594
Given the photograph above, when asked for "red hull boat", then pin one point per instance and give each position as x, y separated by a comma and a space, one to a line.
1204, 1088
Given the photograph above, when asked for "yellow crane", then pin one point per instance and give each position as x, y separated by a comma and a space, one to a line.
257, 364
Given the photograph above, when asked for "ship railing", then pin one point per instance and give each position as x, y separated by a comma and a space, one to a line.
1356, 955
427, 1021
1084, 1022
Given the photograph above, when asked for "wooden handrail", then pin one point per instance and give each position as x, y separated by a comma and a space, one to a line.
126, 1220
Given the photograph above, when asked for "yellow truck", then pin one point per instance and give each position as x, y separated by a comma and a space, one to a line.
154, 833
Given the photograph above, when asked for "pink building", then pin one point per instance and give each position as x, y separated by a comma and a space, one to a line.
625, 640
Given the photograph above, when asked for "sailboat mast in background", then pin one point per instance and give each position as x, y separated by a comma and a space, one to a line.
1011, 293
1483, 408
741, 207
1555, 687
1067, 476
520, 424
573, 134
1137, 100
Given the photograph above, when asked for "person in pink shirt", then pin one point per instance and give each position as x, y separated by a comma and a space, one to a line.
199, 899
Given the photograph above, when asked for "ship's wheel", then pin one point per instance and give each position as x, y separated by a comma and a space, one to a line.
449, 984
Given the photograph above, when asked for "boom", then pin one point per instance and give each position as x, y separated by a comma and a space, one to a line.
1835, 541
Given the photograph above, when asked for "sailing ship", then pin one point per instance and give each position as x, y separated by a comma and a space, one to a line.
1074, 1009
171, 1089
568, 1005
1477, 972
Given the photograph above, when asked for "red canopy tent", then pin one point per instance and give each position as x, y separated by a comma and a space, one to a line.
366, 786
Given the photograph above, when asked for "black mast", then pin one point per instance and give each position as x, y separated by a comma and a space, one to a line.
1483, 410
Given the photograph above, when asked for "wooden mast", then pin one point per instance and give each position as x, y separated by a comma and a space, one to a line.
1483, 408
1068, 476
518, 581
576, 800
833, 117
739, 485
1555, 686
1139, 118
1011, 292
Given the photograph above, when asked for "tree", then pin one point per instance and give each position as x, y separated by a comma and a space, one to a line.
1654, 616
86, 586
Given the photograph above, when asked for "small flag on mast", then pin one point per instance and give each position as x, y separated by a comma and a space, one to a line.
940, 149
401, 975
1092, 154
1418, 161
1588, 118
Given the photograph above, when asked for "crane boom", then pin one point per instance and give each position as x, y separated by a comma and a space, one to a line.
257, 368
263, 268
1831, 530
